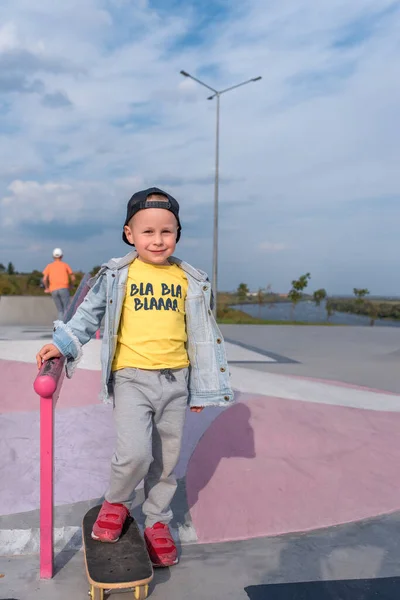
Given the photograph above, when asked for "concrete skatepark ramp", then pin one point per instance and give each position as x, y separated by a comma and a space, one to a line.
27, 310
296, 453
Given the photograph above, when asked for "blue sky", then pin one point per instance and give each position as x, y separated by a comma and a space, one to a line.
93, 108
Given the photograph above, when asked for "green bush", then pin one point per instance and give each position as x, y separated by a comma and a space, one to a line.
370, 308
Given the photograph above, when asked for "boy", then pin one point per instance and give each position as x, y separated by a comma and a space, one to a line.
56, 279
161, 350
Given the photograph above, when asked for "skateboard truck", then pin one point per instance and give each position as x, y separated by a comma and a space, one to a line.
140, 592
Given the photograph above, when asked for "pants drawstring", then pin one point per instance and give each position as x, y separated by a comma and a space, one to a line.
168, 374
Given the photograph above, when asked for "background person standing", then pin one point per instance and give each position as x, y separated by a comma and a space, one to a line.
56, 278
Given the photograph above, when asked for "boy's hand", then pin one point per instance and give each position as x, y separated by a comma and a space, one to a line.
196, 409
48, 351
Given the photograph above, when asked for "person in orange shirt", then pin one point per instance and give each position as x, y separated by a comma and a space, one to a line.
56, 278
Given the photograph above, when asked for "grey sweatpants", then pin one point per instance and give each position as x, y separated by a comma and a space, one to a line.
61, 300
149, 414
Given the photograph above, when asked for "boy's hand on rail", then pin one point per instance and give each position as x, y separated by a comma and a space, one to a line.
48, 351
196, 409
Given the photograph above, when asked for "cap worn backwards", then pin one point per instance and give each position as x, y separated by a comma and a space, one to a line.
139, 201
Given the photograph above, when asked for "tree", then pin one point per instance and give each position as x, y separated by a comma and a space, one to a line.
260, 300
329, 310
296, 293
9, 286
319, 296
360, 294
35, 278
10, 269
242, 292
269, 294
2, 268
373, 312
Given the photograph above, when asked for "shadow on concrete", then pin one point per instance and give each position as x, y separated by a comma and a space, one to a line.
160, 576
364, 550
68, 552
361, 589
229, 436
235, 438
74, 545
356, 561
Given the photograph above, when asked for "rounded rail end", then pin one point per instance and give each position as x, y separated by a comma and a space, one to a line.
45, 386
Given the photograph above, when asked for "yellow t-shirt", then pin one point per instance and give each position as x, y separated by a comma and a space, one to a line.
152, 330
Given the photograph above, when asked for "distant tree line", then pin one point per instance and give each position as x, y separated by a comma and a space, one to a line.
10, 270
360, 304
295, 295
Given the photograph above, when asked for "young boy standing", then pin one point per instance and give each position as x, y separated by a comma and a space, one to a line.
162, 349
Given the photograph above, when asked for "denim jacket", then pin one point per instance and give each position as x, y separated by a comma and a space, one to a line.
208, 371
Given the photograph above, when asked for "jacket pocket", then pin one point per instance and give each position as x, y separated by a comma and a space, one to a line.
204, 368
198, 321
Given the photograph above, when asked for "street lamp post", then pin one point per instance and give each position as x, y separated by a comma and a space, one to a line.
216, 94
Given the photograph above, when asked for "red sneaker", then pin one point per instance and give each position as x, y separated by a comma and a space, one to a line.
160, 545
109, 522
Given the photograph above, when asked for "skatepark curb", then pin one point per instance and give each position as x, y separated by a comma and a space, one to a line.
27, 310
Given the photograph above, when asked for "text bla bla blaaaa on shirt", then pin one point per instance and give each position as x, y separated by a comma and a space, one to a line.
143, 301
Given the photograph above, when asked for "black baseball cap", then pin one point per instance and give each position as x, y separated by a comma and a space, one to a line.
139, 202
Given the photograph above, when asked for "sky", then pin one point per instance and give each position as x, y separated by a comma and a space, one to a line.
93, 108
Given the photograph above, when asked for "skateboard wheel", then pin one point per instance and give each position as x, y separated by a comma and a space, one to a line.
141, 592
96, 593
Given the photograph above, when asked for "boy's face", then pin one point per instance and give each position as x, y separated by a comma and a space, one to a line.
153, 231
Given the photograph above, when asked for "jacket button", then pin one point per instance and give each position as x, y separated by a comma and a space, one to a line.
110, 301
113, 275
226, 398
205, 288
209, 311
222, 369
219, 341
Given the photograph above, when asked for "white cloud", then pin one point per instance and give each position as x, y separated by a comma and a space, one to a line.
30, 202
302, 151
272, 247
8, 37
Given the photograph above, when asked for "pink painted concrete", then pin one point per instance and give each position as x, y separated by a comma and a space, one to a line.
17, 394
46, 487
265, 466
84, 443
273, 466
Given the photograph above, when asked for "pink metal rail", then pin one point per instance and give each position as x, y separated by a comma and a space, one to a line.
48, 384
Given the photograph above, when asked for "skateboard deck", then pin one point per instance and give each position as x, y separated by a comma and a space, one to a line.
120, 565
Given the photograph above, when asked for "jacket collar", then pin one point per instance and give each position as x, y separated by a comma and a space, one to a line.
115, 264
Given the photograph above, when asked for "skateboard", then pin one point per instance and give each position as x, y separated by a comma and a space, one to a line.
116, 566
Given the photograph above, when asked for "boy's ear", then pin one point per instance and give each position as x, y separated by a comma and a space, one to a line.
128, 234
